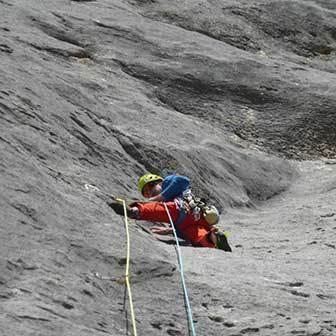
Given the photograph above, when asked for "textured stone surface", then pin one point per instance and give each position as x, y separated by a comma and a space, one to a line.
99, 92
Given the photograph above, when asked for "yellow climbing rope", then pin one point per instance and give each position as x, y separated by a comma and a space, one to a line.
128, 257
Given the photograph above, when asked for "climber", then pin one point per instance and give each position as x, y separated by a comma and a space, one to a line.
193, 219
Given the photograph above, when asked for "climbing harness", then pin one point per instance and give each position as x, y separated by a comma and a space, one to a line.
181, 268
128, 256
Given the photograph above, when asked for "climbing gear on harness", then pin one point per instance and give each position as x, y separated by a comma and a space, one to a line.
143, 180
181, 268
222, 242
198, 206
191, 203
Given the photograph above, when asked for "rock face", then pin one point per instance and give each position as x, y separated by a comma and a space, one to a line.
229, 93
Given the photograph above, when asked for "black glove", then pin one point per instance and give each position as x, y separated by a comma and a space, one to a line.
117, 207
119, 210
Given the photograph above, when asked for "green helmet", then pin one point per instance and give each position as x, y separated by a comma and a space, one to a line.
143, 180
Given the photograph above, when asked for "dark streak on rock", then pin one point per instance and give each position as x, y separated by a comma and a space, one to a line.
250, 330
67, 305
33, 318
156, 325
25, 210
100, 329
19, 264
174, 332
297, 293
325, 296
87, 292
79, 53
293, 284
330, 214
57, 33
6, 3
51, 311
6, 49
80, 123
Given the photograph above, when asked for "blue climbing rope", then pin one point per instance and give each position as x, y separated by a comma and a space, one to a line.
180, 262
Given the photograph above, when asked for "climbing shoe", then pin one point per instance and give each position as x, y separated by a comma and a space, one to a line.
119, 209
222, 242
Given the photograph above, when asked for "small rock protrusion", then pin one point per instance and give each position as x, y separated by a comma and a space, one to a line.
102, 324
157, 325
298, 332
327, 215
250, 330
122, 261
87, 292
304, 321
294, 284
324, 296
228, 324
67, 305
297, 293
268, 326
6, 49
216, 318
174, 332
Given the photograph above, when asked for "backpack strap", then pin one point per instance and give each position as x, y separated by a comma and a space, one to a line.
182, 216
